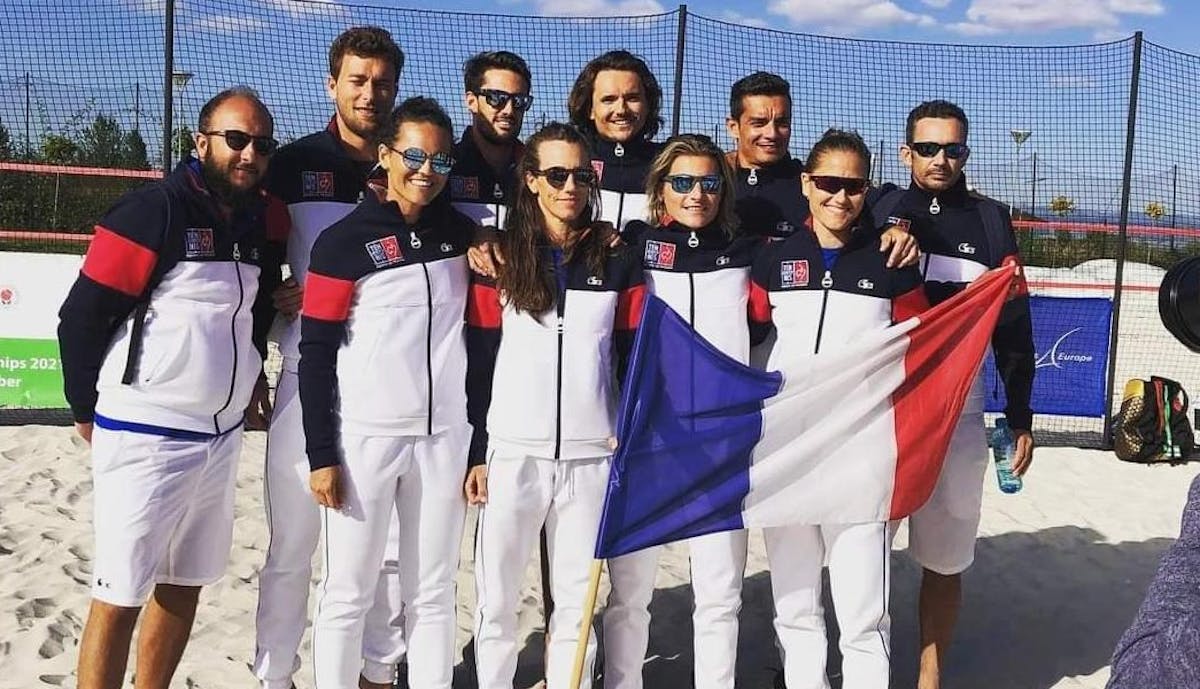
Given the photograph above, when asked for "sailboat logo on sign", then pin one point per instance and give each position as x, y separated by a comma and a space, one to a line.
1055, 359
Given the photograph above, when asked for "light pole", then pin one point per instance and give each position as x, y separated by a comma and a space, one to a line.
179, 80
1019, 137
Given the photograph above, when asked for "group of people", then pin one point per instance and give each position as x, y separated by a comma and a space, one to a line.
454, 328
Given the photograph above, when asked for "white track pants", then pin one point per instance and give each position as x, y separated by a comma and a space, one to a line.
294, 521
421, 478
718, 566
859, 579
567, 496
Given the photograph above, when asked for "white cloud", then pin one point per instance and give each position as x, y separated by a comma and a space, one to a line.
223, 23
974, 29
847, 16
598, 8
1039, 15
936, 4
307, 8
738, 18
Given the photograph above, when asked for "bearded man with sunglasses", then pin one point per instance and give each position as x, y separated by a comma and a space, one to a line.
963, 234
316, 181
162, 338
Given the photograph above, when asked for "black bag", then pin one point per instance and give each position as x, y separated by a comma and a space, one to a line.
1152, 425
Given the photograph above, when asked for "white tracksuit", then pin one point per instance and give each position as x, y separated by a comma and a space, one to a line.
546, 386
382, 380
708, 285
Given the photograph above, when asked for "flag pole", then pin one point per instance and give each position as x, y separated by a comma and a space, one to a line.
585, 625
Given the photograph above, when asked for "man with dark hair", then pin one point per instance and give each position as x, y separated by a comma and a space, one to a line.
315, 181
616, 102
497, 86
769, 200
162, 338
963, 234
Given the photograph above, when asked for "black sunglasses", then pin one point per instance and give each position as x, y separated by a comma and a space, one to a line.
928, 149
237, 140
683, 184
498, 99
829, 184
414, 159
557, 176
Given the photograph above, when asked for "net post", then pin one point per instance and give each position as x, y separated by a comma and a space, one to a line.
680, 38
168, 86
1122, 228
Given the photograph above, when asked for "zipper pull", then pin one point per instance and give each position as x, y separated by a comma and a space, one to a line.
237, 252
497, 192
559, 327
693, 240
753, 178
827, 281
619, 150
414, 241
935, 207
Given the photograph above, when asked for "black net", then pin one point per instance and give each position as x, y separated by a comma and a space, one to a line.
82, 118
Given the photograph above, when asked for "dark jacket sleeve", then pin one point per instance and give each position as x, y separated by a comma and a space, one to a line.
483, 343
279, 224
1012, 342
630, 303
1162, 646
117, 274
759, 304
328, 293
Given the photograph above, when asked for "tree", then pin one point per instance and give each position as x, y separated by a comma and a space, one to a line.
101, 144
6, 147
182, 143
59, 149
133, 152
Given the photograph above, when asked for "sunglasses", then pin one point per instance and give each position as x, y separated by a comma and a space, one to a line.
557, 176
928, 149
684, 184
237, 140
498, 99
414, 159
829, 184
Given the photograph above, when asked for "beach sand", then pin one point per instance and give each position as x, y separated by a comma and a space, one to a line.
1061, 569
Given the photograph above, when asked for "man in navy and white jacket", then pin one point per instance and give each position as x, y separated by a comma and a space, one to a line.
162, 337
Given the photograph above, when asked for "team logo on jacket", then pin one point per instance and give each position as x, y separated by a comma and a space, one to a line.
385, 251
594, 281
793, 274
865, 283
722, 260
464, 187
902, 223
660, 255
198, 243
966, 248
784, 227
317, 183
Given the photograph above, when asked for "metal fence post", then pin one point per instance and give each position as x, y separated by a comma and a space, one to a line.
680, 38
168, 86
1122, 227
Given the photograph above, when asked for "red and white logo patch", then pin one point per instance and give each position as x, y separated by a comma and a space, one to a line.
793, 274
902, 223
385, 251
317, 184
659, 255
598, 166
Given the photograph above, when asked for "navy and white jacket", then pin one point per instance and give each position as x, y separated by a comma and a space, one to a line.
623, 169
704, 276
770, 201
164, 329
382, 349
814, 306
316, 182
475, 189
546, 384
959, 245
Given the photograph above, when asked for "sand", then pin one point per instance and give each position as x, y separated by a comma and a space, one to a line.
1061, 570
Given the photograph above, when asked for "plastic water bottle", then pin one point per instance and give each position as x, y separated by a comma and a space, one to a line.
1003, 447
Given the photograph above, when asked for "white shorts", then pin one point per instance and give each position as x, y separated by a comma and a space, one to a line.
941, 535
163, 512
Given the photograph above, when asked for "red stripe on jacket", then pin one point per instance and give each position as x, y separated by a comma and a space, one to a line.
483, 306
326, 298
759, 304
629, 307
118, 262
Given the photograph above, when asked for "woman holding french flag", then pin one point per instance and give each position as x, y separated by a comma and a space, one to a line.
546, 339
820, 290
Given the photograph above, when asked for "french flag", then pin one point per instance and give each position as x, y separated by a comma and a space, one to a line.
706, 444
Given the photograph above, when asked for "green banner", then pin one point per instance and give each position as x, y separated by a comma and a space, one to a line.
30, 374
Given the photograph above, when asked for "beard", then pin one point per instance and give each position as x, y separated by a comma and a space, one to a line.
219, 183
490, 135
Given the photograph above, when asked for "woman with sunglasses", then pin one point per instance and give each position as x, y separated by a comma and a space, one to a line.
820, 289
382, 368
546, 337
695, 260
